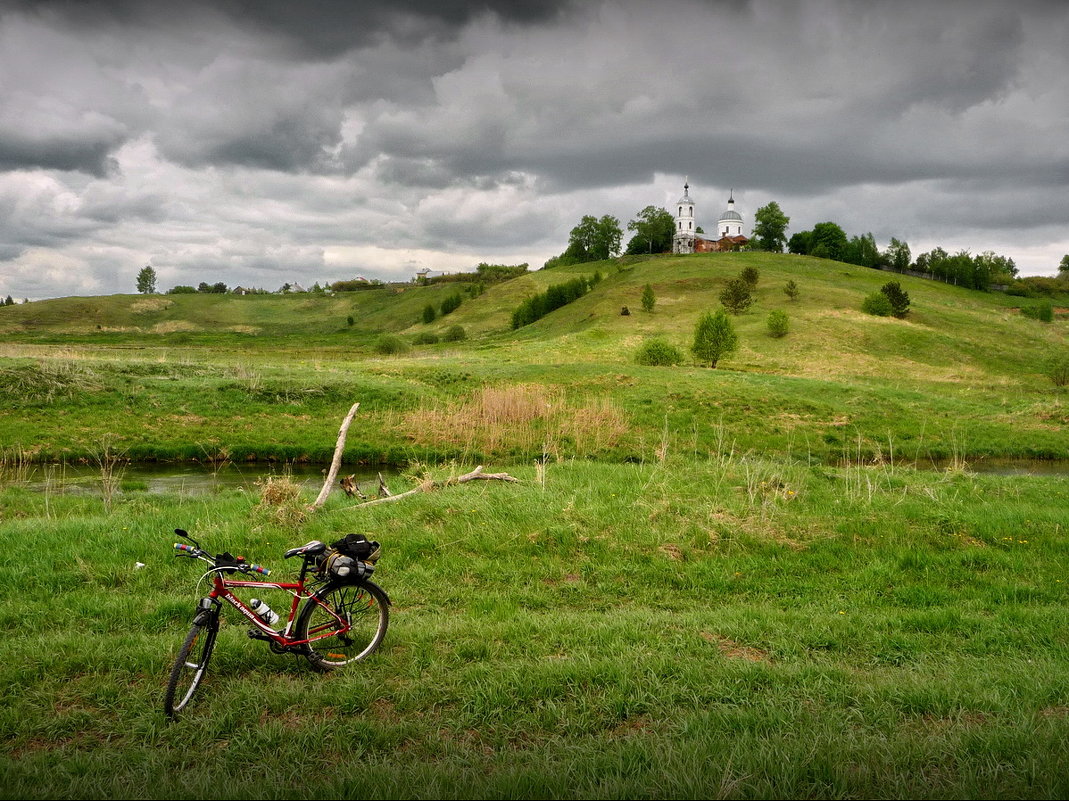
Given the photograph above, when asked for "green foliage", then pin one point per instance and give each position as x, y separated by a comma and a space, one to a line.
218, 288
426, 338
830, 238
1043, 312
751, 275
898, 255
965, 270
591, 240
1057, 369
146, 280
349, 321
778, 324
451, 303
862, 251
429, 314
736, 296
654, 229
877, 304
355, 285
649, 300
790, 289
557, 295
455, 333
182, 289
391, 345
9, 301
897, 297
770, 228
1063, 265
658, 352
714, 338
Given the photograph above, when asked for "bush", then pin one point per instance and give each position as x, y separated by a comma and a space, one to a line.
714, 338
429, 313
451, 304
1058, 369
455, 333
778, 324
897, 297
182, 289
877, 304
1040, 311
390, 344
426, 338
750, 275
791, 290
349, 321
736, 296
658, 353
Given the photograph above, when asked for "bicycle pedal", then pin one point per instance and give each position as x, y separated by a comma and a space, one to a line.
256, 634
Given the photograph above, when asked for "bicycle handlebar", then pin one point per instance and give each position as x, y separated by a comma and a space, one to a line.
197, 553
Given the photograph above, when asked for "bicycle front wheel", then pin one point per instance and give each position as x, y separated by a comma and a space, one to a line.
344, 623
189, 667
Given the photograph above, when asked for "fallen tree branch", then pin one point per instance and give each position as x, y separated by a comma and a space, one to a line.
335, 463
430, 484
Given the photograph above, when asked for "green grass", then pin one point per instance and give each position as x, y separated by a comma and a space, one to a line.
741, 627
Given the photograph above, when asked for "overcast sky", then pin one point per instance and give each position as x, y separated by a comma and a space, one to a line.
258, 142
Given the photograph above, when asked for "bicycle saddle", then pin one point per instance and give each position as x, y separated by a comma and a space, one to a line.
313, 548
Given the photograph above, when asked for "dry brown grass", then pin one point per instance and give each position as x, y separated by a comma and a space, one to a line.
519, 418
280, 500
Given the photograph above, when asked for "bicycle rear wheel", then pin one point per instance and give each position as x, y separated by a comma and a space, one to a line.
346, 622
190, 666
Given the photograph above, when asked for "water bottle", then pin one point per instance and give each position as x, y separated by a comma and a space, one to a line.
265, 613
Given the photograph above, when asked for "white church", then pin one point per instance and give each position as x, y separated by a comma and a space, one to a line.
728, 235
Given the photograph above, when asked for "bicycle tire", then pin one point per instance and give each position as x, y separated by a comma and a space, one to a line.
364, 607
186, 676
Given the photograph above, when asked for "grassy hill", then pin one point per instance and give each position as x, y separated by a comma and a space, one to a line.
962, 374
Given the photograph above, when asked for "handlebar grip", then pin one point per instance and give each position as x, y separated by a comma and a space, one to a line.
181, 546
260, 569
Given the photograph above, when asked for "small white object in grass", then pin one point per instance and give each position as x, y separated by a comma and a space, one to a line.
138, 565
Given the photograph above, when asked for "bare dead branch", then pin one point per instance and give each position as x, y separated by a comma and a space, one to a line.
430, 485
335, 463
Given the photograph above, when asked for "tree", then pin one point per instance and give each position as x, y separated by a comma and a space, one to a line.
648, 298
9, 301
750, 275
800, 243
593, 240
736, 296
714, 338
146, 280
898, 255
791, 290
897, 297
654, 229
1063, 265
830, 239
429, 313
181, 289
862, 251
778, 324
770, 228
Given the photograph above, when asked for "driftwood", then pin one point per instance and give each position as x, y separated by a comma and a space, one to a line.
385, 495
335, 463
430, 484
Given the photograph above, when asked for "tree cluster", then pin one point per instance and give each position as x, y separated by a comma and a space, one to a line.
538, 306
653, 228
592, 239
966, 270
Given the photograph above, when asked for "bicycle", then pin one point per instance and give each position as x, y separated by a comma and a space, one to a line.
343, 618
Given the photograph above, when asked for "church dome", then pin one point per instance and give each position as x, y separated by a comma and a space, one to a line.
731, 215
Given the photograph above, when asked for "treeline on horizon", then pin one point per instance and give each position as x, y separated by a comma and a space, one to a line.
596, 239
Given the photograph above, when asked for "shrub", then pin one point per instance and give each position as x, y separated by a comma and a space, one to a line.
898, 298
349, 320
451, 303
182, 289
649, 300
429, 313
1058, 369
750, 275
455, 333
714, 338
791, 290
426, 338
658, 353
736, 296
390, 344
778, 324
1039, 311
877, 304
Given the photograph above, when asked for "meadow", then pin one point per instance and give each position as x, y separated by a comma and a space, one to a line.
781, 578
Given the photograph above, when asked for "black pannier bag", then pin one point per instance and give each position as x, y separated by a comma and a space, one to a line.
351, 558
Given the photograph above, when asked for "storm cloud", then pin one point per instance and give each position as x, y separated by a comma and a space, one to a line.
264, 142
